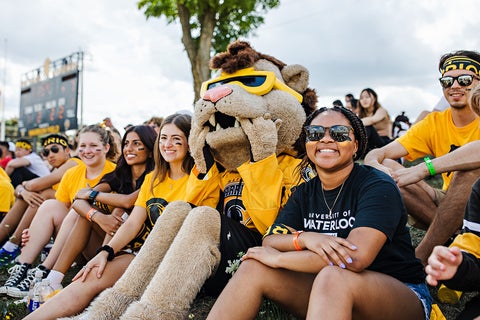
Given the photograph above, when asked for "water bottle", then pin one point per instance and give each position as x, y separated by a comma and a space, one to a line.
45, 291
34, 292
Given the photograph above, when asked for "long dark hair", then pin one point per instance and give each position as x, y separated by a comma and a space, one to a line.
121, 178
358, 131
362, 112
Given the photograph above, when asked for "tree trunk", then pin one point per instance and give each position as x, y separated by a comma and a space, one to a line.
198, 50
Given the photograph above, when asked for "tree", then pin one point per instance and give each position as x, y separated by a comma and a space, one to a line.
208, 26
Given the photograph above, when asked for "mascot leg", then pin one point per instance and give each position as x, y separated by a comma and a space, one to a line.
112, 302
191, 259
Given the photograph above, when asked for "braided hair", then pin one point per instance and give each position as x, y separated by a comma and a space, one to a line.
358, 131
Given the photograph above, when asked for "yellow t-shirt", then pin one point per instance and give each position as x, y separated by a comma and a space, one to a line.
75, 159
163, 193
7, 197
252, 196
75, 179
437, 135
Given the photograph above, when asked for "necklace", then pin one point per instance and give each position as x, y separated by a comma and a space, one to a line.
334, 202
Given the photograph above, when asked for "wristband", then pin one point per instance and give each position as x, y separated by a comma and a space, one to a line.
92, 195
91, 213
296, 234
430, 167
111, 254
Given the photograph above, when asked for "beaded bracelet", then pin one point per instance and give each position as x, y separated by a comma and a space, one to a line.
430, 167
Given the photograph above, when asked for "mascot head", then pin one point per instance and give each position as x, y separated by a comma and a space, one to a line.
251, 85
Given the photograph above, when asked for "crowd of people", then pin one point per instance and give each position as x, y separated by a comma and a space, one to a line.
100, 195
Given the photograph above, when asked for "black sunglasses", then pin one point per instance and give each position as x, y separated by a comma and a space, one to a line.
339, 133
464, 80
46, 151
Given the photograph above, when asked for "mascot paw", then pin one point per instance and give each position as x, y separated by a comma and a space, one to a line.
110, 304
262, 134
141, 311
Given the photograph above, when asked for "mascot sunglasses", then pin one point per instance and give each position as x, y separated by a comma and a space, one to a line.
253, 81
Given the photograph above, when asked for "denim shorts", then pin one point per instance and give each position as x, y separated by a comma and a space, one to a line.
421, 290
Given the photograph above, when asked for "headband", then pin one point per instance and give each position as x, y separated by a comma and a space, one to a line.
23, 144
460, 62
55, 140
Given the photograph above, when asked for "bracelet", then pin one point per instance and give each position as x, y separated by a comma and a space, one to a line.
296, 234
91, 213
430, 167
92, 195
111, 254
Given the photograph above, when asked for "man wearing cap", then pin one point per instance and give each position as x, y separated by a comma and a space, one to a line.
27, 164
31, 194
438, 211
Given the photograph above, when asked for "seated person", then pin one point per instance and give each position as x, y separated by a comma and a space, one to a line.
6, 154
94, 150
27, 164
458, 267
7, 197
338, 247
31, 194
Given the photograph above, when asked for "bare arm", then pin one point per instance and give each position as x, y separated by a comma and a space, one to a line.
394, 150
49, 180
378, 116
16, 163
355, 253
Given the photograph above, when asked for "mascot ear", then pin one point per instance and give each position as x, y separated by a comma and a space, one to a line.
296, 77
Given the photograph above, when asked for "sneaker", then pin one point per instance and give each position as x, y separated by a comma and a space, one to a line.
21, 289
17, 273
6, 257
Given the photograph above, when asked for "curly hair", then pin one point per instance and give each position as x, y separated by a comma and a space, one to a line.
358, 131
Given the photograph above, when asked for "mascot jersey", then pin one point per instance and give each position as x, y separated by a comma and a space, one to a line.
75, 179
437, 135
239, 193
78, 161
155, 202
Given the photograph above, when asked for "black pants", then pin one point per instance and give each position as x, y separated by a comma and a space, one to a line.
21, 174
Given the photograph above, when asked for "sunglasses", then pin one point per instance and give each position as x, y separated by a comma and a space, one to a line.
254, 81
339, 133
54, 149
464, 80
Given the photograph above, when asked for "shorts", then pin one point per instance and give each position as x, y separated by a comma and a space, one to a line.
234, 238
421, 290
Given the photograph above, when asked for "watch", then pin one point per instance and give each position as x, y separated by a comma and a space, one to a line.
92, 195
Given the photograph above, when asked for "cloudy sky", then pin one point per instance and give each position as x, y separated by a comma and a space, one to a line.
135, 68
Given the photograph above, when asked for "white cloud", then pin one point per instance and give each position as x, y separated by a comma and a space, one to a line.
136, 68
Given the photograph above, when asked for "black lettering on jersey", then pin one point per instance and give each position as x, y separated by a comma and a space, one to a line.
233, 204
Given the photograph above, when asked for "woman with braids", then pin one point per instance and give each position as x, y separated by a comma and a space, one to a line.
95, 150
340, 248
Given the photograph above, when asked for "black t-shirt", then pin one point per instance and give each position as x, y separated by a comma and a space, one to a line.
369, 198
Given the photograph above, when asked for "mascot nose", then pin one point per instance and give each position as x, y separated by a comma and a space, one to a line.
217, 93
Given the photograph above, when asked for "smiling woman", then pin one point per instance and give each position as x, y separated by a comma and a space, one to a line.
335, 237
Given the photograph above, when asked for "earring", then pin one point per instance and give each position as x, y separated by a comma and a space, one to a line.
355, 155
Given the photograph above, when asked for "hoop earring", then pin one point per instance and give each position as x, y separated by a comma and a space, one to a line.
354, 155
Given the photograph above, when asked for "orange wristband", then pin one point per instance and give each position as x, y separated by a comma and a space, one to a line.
296, 234
91, 213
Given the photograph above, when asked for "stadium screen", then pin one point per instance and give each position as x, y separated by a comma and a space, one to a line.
49, 106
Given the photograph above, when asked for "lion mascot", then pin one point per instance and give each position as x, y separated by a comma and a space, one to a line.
245, 139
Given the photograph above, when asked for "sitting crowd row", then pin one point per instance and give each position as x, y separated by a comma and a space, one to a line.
321, 235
